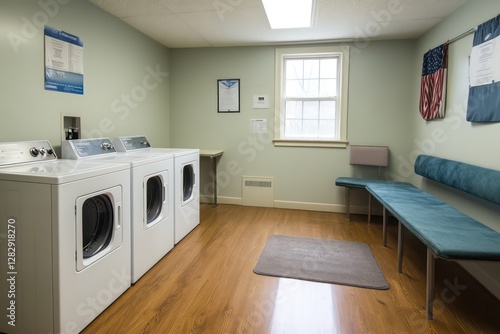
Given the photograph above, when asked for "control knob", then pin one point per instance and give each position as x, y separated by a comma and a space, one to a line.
106, 146
34, 152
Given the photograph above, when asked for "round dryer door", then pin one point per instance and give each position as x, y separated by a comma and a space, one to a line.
154, 199
187, 182
97, 225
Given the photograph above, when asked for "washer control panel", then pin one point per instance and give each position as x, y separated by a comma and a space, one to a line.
13, 153
84, 148
125, 144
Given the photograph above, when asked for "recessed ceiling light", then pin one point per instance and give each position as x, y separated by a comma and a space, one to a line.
283, 14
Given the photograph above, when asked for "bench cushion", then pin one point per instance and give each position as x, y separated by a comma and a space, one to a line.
356, 182
449, 233
478, 181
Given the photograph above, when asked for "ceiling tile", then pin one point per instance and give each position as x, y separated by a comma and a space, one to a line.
202, 23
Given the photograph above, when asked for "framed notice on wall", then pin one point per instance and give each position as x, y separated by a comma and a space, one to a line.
228, 95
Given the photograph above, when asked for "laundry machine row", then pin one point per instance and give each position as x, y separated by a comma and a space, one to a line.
64, 238
152, 188
186, 180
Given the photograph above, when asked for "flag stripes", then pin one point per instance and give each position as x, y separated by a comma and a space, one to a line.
433, 83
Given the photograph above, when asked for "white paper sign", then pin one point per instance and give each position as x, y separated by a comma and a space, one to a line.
485, 63
258, 125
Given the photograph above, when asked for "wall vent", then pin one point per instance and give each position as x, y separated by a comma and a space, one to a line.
261, 184
257, 191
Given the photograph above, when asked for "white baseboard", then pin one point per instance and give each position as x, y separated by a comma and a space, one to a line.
309, 206
220, 199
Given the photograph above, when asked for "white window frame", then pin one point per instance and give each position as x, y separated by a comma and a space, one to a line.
343, 65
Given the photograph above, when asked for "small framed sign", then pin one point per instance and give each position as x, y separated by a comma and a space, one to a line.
228, 95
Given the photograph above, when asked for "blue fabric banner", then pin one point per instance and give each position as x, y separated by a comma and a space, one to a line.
484, 92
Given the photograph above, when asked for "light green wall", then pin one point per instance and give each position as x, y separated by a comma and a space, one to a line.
379, 114
453, 137
116, 63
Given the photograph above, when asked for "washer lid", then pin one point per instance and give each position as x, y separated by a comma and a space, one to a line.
135, 159
60, 171
177, 152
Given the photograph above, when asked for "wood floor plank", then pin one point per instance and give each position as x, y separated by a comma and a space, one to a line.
206, 284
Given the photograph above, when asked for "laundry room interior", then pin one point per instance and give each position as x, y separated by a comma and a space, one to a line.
136, 86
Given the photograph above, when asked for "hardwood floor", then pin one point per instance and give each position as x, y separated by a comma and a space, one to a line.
206, 284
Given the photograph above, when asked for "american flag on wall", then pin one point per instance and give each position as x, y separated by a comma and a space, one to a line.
433, 83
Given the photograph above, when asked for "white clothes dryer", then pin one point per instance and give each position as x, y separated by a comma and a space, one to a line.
64, 238
186, 180
152, 192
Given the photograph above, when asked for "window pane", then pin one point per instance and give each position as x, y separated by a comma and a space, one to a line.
293, 128
311, 69
294, 88
311, 109
310, 119
328, 88
328, 68
326, 129
327, 110
311, 88
294, 69
310, 128
293, 109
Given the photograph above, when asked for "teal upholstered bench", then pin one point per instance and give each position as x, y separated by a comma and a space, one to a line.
448, 233
359, 183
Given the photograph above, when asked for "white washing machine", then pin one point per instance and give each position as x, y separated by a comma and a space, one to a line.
152, 192
64, 238
186, 180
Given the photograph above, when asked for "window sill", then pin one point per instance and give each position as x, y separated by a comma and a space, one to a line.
310, 143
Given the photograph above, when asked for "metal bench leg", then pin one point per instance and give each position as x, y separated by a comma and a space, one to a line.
400, 246
430, 283
348, 202
369, 208
384, 227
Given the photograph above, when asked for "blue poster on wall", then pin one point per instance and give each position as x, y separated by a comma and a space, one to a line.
484, 92
63, 62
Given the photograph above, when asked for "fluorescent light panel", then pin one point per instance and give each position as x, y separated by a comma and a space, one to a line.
283, 14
